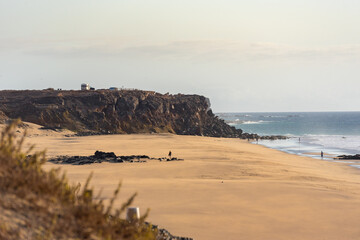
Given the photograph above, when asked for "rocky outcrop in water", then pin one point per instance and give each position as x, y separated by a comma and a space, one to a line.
108, 112
273, 137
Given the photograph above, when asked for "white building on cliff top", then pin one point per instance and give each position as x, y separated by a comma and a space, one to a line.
85, 87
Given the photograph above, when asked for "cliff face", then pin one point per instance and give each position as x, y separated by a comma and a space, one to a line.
3, 117
106, 111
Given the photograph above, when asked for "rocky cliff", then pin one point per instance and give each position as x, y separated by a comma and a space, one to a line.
3, 117
125, 111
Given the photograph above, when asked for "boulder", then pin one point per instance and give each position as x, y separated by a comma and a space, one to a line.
104, 155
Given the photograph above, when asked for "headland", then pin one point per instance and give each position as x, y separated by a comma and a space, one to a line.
120, 111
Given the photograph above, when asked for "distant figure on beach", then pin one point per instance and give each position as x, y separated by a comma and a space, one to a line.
257, 140
322, 154
169, 154
299, 139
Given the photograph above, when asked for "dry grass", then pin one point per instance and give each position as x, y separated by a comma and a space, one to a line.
35, 204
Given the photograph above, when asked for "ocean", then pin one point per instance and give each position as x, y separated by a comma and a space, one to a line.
334, 133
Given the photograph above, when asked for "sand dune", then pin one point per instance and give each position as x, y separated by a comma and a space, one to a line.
225, 189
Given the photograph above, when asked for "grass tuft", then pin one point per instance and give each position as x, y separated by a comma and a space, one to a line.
44, 205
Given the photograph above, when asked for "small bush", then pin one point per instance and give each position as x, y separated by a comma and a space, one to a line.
51, 208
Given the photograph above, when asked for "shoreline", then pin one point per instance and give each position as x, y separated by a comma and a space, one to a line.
224, 189
306, 149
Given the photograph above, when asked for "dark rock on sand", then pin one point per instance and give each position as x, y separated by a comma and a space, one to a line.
104, 155
99, 157
56, 129
348, 157
132, 157
164, 234
174, 159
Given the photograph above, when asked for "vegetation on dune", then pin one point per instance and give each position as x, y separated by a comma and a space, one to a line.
38, 204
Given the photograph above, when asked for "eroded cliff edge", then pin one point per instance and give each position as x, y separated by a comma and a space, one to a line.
125, 111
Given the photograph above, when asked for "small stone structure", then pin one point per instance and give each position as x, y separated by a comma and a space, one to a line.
85, 87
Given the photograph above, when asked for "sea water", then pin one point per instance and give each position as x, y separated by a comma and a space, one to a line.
309, 133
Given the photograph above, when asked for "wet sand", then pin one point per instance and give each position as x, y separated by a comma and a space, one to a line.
225, 189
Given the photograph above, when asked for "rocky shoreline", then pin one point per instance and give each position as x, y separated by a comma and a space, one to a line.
111, 157
250, 136
348, 157
164, 234
118, 112
110, 112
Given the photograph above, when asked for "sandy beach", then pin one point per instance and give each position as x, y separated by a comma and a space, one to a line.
225, 189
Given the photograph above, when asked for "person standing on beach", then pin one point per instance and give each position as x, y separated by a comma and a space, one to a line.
322, 154
169, 154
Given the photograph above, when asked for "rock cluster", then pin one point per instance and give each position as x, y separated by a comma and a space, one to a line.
100, 157
273, 137
253, 136
124, 111
348, 157
164, 234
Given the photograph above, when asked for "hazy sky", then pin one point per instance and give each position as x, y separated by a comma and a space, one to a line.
254, 55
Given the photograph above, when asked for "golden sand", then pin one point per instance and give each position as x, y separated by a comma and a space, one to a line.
225, 189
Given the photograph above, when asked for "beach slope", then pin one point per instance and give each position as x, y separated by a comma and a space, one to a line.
224, 189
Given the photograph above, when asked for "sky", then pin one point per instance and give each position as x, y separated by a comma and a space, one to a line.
246, 56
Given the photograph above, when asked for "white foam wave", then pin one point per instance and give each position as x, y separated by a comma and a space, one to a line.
255, 122
272, 116
238, 121
281, 116
347, 142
